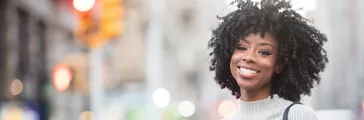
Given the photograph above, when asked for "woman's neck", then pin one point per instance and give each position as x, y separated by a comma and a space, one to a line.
255, 95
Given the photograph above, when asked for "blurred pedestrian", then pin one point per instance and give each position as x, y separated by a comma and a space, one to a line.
268, 56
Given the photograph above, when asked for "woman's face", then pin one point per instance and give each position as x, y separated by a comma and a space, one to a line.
254, 61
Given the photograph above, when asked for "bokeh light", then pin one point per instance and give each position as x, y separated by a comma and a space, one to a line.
186, 108
16, 87
83, 5
161, 97
12, 113
62, 77
86, 115
226, 107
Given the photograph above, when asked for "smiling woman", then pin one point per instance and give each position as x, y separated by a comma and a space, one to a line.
258, 50
268, 55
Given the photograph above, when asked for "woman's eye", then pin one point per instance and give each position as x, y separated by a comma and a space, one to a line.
240, 48
265, 53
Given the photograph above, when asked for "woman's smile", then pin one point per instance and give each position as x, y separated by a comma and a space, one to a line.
247, 73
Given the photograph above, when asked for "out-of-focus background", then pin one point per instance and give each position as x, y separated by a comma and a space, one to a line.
148, 60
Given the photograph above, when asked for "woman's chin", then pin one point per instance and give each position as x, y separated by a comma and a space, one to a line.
243, 84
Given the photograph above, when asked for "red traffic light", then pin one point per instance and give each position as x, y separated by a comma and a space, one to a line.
62, 77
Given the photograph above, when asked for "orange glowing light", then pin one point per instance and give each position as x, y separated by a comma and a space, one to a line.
62, 77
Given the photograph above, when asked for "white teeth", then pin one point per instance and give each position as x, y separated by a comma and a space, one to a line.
244, 70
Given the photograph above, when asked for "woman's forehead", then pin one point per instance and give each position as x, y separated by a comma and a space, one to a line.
267, 37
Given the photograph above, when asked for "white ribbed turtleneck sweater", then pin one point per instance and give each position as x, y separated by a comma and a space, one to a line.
271, 109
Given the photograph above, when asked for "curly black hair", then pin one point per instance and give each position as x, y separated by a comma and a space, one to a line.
301, 51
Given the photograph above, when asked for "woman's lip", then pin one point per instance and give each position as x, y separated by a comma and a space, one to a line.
250, 68
247, 74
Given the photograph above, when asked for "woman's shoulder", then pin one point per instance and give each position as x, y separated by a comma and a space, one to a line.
302, 112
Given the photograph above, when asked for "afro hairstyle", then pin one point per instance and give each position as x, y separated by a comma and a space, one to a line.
300, 51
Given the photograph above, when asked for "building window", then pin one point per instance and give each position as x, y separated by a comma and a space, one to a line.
42, 45
2, 49
23, 35
23, 46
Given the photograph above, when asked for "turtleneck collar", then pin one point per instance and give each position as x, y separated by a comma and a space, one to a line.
259, 106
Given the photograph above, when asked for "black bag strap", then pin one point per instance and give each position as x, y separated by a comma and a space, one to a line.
285, 114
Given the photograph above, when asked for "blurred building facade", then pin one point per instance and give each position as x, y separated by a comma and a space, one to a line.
342, 82
15, 23
24, 35
34, 39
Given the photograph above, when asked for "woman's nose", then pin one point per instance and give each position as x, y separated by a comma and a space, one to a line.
249, 57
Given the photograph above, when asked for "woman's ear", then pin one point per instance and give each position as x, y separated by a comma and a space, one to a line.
279, 68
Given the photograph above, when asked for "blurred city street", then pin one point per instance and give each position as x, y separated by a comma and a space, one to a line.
148, 60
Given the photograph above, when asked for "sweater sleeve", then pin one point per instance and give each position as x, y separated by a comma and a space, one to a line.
301, 112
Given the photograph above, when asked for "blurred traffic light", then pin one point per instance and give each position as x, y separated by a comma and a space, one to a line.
62, 77
111, 18
86, 27
91, 32
85, 20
